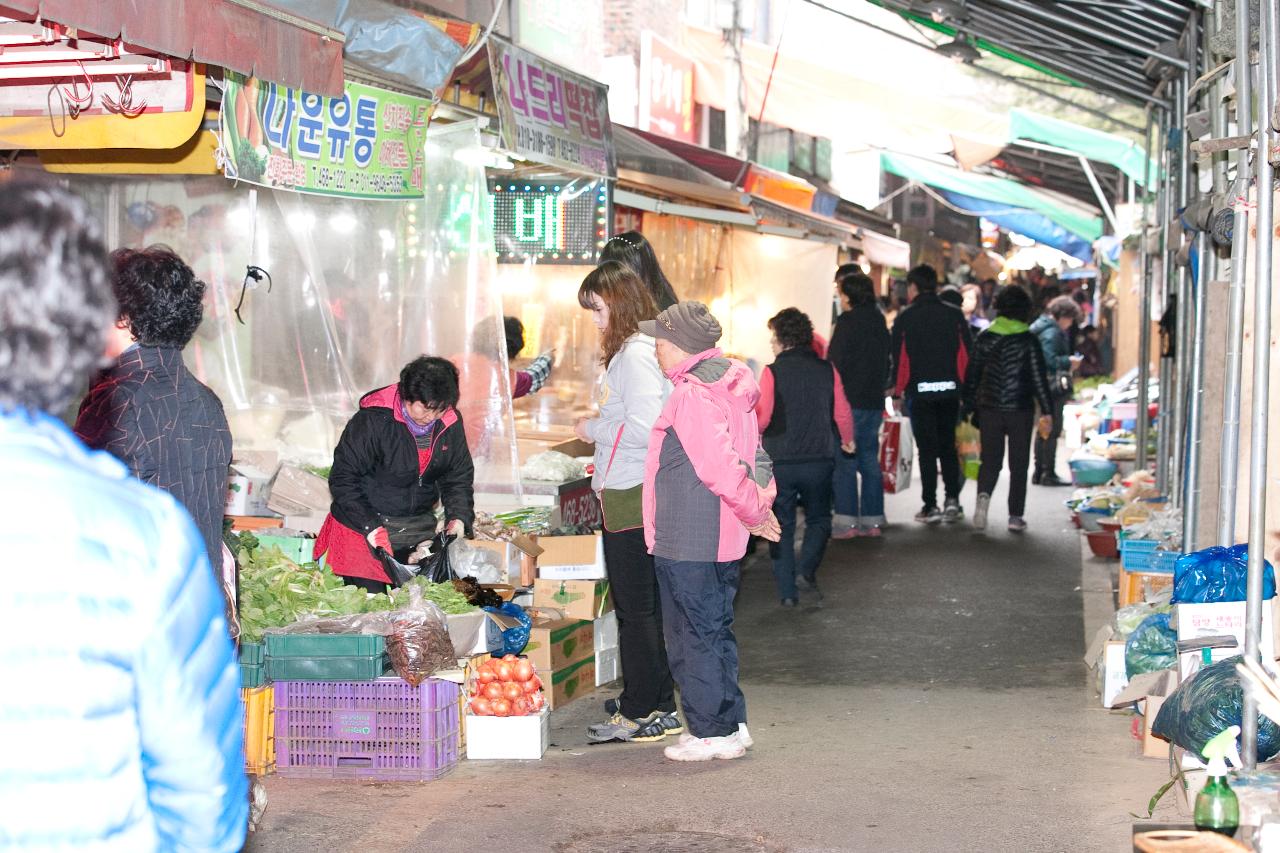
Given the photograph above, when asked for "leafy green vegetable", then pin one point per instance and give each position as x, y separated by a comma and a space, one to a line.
442, 595
319, 470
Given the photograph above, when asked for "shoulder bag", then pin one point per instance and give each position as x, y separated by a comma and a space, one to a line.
622, 509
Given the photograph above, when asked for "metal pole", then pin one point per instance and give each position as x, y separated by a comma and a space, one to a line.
1177, 434
1196, 331
1144, 307
1261, 385
1166, 364
1228, 464
1119, 40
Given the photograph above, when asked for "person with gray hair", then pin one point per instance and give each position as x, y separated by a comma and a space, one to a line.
1053, 328
122, 720
708, 485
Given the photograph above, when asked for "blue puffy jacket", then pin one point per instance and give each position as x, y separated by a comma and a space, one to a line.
120, 722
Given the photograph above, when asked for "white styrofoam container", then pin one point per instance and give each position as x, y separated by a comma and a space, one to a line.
607, 632
1223, 618
508, 738
608, 666
1114, 675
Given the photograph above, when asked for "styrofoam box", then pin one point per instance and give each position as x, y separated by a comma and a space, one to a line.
510, 738
607, 632
608, 666
1114, 674
1223, 618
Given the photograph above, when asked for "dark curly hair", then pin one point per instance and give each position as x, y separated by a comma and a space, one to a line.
55, 300
513, 329
160, 297
1064, 306
632, 249
1015, 303
431, 381
792, 327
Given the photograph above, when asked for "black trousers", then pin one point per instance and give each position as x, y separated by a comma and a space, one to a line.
1047, 448
933, 425
365, 583
646, 675
999, 428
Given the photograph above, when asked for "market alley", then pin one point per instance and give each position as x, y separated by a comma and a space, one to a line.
937, 701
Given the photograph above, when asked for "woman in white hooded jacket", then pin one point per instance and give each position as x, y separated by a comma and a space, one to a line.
631, 397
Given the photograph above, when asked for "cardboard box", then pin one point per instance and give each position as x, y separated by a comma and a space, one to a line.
607, 632
477, 632
575, 447
248, 489
571, 557
576, 599
306, 523
1225, 618
564, 685
509, 738
556, 643
1114, 677
297, 491
1152, 746
608, 666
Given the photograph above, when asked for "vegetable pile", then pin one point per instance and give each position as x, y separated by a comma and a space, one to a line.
275, 592
506, 687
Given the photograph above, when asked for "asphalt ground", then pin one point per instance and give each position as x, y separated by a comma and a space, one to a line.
936, 700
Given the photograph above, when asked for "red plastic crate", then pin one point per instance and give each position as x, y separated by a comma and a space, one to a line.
384, 729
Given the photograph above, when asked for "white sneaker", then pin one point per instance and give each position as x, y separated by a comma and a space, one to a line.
707, 748
980, 512
744, 736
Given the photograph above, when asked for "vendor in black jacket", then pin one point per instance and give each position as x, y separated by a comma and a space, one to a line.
401, 453
1005, 382
931, 344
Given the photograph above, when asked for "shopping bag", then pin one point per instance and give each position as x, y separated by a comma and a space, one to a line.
969, 449
897, 453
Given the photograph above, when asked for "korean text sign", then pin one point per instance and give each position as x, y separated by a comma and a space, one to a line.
666, 89
551, 115
367, 144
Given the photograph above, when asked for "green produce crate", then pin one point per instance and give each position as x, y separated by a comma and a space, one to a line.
324, 645
251, 653
330, 668
252, 675
296, 548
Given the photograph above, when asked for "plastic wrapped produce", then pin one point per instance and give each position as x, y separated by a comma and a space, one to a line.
553, 466
1207, 704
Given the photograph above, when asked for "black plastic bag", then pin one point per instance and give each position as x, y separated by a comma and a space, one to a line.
1207, 705
435, 567
1151, 647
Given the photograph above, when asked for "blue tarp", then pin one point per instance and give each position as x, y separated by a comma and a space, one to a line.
1027, 223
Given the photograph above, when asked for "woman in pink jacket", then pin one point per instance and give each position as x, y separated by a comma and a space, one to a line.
708, 485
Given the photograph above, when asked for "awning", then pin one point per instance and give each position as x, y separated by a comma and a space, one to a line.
1028, 223
1092, 144
1014, 196
248, 36
885, 251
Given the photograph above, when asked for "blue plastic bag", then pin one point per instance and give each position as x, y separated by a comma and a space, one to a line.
514, 639
1151, 647
1217, 574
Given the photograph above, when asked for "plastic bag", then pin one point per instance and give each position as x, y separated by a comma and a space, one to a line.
1129, 617
1151, 647
418, 644
468, 561
1205, 706
553, 465
969, 448
1217, 574
437, 567
516, 638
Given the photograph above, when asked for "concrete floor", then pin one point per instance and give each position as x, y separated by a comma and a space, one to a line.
936, 701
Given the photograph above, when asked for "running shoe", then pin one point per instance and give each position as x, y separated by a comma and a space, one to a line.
1017, 524
952, 511
706, 748
980, 511
929, 515
744, 736
620, 728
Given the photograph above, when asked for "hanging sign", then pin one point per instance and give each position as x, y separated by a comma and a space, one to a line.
551, 221
367, 144
551, 115
666, 89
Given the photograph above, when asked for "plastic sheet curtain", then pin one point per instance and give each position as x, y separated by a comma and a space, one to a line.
357, 289
745, 278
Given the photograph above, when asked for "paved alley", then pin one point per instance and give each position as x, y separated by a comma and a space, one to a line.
936, 701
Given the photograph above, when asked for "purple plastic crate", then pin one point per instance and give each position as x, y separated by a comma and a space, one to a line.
385, 729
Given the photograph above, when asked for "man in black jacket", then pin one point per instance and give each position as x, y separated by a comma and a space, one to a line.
147, 409
931, 345
859, 351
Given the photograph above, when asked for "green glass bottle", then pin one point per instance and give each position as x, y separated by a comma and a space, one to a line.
1217, 809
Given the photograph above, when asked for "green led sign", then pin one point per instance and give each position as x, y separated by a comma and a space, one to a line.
550, 221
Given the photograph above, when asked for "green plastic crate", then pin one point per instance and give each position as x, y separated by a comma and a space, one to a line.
252, 675
251, 653
296, 548
330, 668
324, 645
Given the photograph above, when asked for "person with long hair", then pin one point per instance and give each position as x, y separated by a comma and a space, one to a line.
632, 249
1004, 382
631, 398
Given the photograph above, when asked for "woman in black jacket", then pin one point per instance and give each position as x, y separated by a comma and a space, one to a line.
401, 453
1005, 381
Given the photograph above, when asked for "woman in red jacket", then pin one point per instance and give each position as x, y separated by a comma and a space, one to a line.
403, 452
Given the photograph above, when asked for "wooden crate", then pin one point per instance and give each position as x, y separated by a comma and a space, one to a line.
1135, 586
